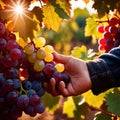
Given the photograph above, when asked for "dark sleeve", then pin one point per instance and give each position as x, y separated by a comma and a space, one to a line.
105, 71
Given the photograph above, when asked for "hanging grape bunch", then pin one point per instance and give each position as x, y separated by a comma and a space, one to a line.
110, 34
23, 72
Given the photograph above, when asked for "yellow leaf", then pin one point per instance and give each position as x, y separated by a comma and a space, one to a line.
51, 18
69, 107
93, 100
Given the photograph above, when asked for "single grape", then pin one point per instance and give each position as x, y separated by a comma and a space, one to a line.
40, 108
36, 85
29, 49
23, 101
101, 47
11, 44
29, 110
113, 29
40, 54
8, 85
100, 29
65, 77
31, 92
2, 44
48, 48
107, 35
2, 102
106, 28
113, 21
12, 97
59, 67
16, 83
32, 58
7, 61
40, 42
34, 100
27, 85
15, 53
41, 92
49, 57
49, 69
102, 41
2, 78
2, 29
39, 65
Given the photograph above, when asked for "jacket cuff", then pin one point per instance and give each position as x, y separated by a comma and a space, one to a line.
100, 75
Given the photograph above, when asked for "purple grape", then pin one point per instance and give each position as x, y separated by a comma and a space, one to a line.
8, 85
34, 100
27, 85
2, 44
30, 110
15, 53
16, 83
2, 29
12, 97
49, 69
65, 77
36, 85
31, 92
41, 92
2, 102
23, 101
40, 108
7, 61
2, 78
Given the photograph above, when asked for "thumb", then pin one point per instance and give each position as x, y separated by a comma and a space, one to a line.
60, 58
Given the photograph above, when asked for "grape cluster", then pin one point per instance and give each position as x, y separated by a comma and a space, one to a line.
110, 34
23, 72
41, 63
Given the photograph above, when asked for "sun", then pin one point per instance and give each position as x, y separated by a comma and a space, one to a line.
19, 9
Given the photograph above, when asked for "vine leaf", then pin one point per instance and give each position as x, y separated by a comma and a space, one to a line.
102, 117
113, 101
38, 13
93, 100
63, 7
91, 28
51, 18
69, 107
82, 108
50, 101
82, 53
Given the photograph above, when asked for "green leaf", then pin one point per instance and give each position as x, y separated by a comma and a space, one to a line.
101, 116
65, 7
59, 10
82, 108
82, 52
113, 101
50, 101
51, 18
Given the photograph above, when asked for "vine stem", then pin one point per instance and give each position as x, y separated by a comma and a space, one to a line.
105, 112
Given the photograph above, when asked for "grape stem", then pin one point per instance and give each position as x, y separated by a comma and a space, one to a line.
104, 112
22, 90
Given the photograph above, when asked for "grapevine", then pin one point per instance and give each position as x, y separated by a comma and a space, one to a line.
110, 34
24, 71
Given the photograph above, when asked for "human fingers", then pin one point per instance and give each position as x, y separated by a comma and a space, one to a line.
60, 58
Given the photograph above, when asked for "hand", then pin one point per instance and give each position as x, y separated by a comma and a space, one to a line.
79, 75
